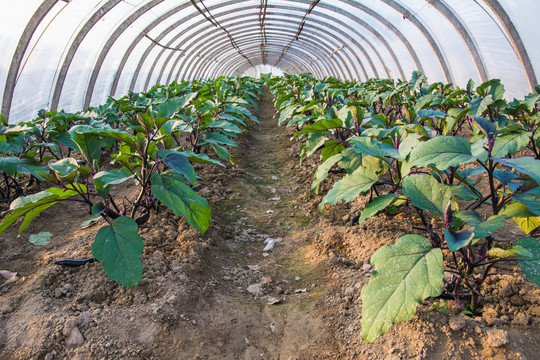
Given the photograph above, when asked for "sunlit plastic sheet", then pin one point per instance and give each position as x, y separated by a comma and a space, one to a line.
72, 54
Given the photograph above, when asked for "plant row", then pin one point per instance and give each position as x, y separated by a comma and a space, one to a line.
152, 139
414, 146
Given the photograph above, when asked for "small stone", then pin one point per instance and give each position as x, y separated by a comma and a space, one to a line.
349, 291
193, 322
84, 318
517, 300
535, 311
298, 278
497, 338
274, 177
506, 289
366, 267
58, 292
255, 289
69, 287
457, 323
68, 326
521, 320
75, 338
477, 329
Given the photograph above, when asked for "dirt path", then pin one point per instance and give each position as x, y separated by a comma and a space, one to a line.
274, 319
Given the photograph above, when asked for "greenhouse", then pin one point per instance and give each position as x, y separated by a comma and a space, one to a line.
270, 179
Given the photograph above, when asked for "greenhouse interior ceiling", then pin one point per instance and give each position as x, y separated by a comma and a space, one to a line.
74, 54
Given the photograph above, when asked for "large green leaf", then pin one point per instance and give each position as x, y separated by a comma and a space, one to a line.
181, 199
286, 113
331, 148
531, 199
426, 193
443, 152
321, 126
32, 205
404, 275
509, 144
376, 205
11, 165
350, 160
530, 265
348, 188
89, 142
114, 177
488, 227
368, 146
65, 169
526, 165
225, 126
322, 172
179, 163
201, 158
480, 104
119, 248
169, 108
220, 138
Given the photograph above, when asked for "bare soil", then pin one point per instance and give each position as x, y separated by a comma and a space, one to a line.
220, 296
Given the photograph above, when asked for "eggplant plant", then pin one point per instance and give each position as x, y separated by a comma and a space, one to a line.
138, 131
424, 148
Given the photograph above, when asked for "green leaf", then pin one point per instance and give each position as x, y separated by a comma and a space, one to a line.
179, 163
181, 199
221, 151
368, 146
322, 172
488, 128
376, 205
443, 152
286, 113
313, 143
526, 165
32, 205
427, 194
530, 199
40, 239
404, 275
225, 126
531, 265
321, 126
350, 160
458, 239
119, 248
201, 158
509, 144
89, 143
97, 208
331, 148
348, 188
220, 138
480, 104
12, 165
114, 177
431, 114
169, 108
91, 221
65, 169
